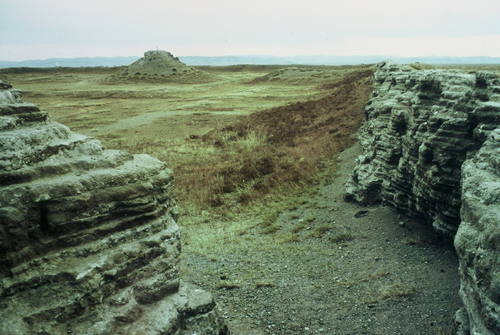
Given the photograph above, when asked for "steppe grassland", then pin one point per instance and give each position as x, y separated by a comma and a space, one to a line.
222, 172
246, 151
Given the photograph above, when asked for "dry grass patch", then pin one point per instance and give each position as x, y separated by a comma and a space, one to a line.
264, 283
299, 226
289, 237
228, 285
390, 291
320, 230
287, 145
242, 160
341, 237
271, 229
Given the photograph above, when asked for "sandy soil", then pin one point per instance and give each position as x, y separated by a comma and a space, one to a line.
346, 269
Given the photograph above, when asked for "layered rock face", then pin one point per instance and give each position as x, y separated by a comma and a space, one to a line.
420, 126
478, 240
88, 238
431, 150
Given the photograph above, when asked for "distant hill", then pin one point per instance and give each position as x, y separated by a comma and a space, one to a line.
255, 59
71, 62
331, 60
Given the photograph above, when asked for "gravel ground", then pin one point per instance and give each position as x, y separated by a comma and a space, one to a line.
327, 267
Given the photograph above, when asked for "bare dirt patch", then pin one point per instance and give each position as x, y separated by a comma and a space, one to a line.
323, 266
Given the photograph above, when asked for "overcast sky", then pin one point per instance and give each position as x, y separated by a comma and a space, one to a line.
32, 29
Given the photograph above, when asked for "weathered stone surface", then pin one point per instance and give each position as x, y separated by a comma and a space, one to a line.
431, 150
88, 238
420, 126
478, 239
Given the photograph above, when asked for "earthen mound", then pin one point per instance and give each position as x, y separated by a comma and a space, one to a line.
160, 66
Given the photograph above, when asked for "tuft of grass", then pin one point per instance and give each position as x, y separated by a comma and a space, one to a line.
341, 237
270, 218
321, 230
299, 226
228, 285
264, 283
395, 290
309, 219
391, 291
289, 238
271, 229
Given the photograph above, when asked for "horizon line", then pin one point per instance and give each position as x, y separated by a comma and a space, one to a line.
260, 55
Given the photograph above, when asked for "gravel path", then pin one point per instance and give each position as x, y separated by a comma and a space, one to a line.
326, 267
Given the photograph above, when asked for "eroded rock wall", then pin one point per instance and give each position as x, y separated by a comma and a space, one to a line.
88, 238
431, 150
420, 126
478, 240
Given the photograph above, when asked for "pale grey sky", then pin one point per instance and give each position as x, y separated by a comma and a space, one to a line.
32, 29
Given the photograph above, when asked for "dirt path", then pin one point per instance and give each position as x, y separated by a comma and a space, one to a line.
326, 267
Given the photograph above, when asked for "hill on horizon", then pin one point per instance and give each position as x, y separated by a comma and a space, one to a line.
250, 59
159, 66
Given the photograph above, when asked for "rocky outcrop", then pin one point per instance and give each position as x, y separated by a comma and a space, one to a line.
431, 150
420, 126
478, 240
158, 66
88, 238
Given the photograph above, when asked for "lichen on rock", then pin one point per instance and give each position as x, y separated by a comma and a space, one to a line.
88, 238
420, 127
478, 239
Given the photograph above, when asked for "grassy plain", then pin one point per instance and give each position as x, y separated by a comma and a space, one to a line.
224, 156
259, 186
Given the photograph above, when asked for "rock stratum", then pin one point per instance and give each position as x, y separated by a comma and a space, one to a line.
431, 149
88, 238
160, 66
478, 240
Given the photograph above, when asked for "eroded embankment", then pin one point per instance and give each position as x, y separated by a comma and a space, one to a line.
315, 264
282, 146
